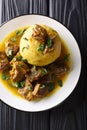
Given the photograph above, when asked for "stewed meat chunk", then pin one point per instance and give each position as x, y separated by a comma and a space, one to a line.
19, 69
26, 91
4, 63
39, 33
34, 74
11, 48
58, 70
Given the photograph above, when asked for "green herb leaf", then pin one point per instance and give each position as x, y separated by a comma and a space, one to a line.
18, 58
17, 32
23, 49
24, 60
21, 32
7, 77
27, 47
44, 71
51, 86
60, 83
42, 86
4, 76
25, 39
30, 88
22, 84
41, 47
13, 39
49, 43
66, 57
16, 84
20, 65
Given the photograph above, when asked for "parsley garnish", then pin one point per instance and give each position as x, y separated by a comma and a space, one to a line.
42, 86
13, 39
66, 57
16, 84
4, 76
49, 43
18, 58
44, 71
60, 83
25, 39
30, 88
22, 83
27, 47
19, 33
51, 86
40, 47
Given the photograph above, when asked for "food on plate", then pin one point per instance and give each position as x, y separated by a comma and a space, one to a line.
34, 61
40, 45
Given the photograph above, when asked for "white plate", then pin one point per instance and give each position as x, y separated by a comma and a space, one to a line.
60, 95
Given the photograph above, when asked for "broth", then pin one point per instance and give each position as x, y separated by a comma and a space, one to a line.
7, 83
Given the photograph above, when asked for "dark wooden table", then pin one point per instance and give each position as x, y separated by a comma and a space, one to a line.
72, 113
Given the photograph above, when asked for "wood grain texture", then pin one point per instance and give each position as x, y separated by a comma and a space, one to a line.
71, 114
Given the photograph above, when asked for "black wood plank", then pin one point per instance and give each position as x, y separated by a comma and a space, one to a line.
74, 120
71, 115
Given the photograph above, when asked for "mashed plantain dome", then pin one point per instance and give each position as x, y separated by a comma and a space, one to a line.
40, 45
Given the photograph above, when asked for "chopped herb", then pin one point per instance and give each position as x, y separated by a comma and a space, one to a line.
24, 60
42, 86
16, 84
60, 83
13, 39
19, 84
25, 39
51, 86
10, 52
49, 43
27, 47
44, 71
22, 84
21, 32
66, 57
17, 32
23, 48
30, 88
20, 65
4, 76
18, 58
41, 47
7, 77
